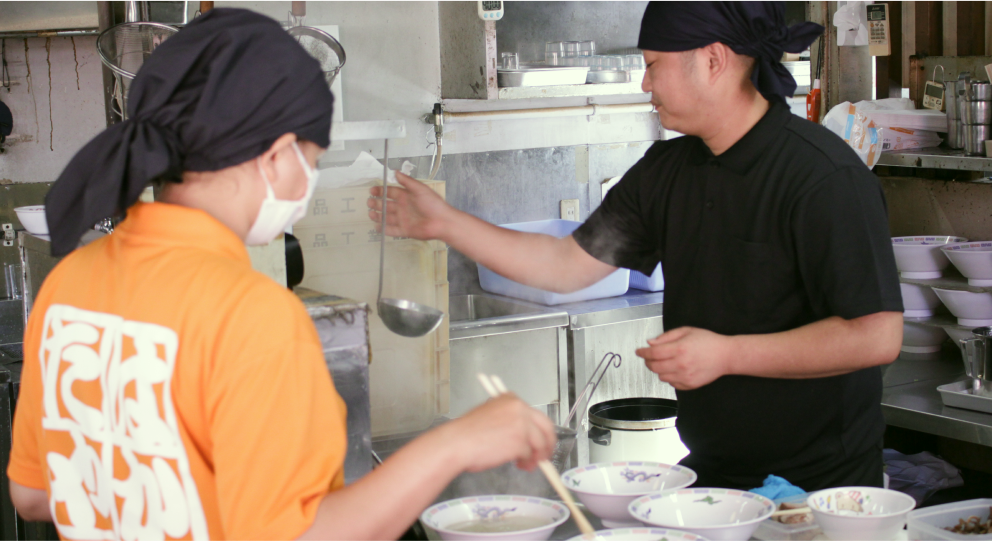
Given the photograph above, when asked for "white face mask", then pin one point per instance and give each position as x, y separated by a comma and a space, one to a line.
276, 215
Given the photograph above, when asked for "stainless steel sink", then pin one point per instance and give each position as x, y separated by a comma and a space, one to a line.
522, 343
485, 315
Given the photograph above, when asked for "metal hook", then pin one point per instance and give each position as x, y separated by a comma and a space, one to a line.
934, 78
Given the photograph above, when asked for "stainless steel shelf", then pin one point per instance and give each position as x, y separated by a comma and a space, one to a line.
935, 158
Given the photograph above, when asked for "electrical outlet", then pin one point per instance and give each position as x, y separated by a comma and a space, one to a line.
570, 209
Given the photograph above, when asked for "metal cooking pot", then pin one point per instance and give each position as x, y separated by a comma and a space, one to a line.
974, 139
635, 429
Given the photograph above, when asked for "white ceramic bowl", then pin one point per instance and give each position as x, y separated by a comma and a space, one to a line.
971, 309
716, 513
608, 488
33, 219
918, 338
495, 511
918, 301
920, 257
859, 513
641, 534
973, 259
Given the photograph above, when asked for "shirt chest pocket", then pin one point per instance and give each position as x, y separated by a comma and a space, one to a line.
760, 280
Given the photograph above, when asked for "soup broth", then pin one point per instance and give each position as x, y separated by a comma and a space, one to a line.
502, 525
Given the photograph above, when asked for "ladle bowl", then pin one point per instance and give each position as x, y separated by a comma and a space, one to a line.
408, 318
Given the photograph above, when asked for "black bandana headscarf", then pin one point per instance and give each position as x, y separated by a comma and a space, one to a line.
755, 29
216, 94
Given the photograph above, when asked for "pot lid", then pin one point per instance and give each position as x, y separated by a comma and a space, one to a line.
634, 414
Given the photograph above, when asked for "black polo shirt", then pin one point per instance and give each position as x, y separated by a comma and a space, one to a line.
785, 228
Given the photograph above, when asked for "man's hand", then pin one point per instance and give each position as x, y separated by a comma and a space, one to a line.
687, 357
414, 210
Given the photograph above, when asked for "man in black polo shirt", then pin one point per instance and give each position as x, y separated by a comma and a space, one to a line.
782, 294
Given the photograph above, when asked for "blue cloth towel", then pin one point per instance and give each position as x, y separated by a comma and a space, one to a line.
775, 487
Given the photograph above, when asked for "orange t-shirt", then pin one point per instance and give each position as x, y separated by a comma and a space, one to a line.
170, 391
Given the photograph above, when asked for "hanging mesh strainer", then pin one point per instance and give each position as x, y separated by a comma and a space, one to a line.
124, 48
323, 47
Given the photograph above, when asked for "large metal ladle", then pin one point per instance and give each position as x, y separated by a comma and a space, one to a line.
403, 317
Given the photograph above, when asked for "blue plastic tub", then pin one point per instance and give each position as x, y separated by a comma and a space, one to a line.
613, 285
655, 282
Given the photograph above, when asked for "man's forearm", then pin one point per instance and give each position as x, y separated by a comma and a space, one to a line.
541, 261
829, 347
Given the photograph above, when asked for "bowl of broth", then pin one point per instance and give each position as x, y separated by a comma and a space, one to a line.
519, 518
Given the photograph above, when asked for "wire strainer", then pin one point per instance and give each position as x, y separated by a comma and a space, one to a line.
567, 434
123, 48
323, 47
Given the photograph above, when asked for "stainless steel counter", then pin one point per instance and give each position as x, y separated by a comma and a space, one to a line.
631, 306
910, 398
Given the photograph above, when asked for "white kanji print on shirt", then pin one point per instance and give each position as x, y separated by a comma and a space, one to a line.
107, 390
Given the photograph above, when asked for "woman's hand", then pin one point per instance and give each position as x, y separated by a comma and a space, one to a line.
414, 210
499, 431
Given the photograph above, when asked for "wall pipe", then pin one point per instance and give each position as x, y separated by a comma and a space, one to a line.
548, 112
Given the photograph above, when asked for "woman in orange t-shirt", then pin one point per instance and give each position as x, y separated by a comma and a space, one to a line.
168, 389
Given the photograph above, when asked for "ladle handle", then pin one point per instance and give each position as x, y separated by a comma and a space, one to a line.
382, 248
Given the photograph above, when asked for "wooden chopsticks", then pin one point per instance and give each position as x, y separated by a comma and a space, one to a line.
494, 386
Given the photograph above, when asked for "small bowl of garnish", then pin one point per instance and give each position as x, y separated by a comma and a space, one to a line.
860, 513
517, 518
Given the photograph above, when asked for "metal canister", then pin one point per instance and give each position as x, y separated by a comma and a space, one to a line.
951, 101
974, 139
955, 135
981, 91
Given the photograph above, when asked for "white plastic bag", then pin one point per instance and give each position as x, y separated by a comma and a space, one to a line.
851, 21
905, 138
857, 130
365, 170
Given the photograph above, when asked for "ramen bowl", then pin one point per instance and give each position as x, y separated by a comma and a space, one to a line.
918, 301
640, 534
971, 308
856, 513
608, 488
921, 257
519, 518
33, 219
717, 514
918, 338
973, 259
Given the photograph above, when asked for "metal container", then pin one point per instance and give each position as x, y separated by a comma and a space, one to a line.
955, 133
608, 76
343, 328
524, 344
974, 139
536, 76
951, 100
979, 91
978, 360
635, 429
976, 112
961, 394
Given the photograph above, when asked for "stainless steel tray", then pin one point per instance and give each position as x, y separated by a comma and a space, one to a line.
541, 76
608, 76
958, 395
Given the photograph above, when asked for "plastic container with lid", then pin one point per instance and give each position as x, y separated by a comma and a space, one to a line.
929, 522
773, 530
613, 285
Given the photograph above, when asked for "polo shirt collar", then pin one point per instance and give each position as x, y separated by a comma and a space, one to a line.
179, 226
744, 153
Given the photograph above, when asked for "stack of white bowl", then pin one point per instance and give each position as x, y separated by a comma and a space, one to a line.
921, 258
